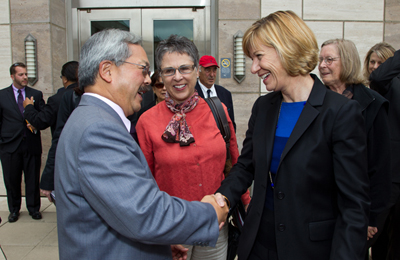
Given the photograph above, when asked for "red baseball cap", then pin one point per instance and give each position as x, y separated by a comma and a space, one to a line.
208, 61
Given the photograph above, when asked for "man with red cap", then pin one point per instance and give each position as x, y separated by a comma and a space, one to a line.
206, 88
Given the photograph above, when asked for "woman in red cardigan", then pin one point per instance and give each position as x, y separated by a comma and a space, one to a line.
180, 139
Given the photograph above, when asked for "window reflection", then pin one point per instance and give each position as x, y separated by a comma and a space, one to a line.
97, 26
164, 28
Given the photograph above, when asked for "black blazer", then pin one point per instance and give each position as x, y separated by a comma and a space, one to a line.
12, 123
69, 102
48, 116
321, 186
386, 81
375, 111
225, 96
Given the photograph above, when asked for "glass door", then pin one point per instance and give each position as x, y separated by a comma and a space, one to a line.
159, 24
94, 20
152, 24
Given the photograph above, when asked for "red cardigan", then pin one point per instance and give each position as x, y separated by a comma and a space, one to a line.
188, 172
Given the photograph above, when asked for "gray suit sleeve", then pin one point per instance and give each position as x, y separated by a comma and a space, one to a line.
118, 184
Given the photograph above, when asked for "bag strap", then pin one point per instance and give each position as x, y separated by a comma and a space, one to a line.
221, 120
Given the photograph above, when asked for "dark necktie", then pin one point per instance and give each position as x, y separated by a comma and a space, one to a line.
208, 93
20, 101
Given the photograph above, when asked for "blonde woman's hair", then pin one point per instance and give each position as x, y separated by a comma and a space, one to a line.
350, 60
383, 50
292, 39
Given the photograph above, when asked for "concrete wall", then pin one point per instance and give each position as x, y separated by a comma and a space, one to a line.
366, 22
46, 21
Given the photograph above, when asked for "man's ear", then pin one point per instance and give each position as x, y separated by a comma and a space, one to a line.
64, 80
12, 76
105, 68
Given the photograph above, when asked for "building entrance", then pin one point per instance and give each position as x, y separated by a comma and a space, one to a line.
152, 24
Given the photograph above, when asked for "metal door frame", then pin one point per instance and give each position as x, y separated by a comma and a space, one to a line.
73, 7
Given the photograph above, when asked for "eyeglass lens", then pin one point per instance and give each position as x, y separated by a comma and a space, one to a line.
184, 69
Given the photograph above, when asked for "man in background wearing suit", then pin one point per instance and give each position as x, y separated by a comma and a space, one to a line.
108, 203
206, 88
20, 144
48, 116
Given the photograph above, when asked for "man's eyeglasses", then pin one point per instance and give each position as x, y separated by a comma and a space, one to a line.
146, 69
328, 60
184, 69
159, 85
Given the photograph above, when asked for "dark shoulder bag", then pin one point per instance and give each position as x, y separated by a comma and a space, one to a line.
237, 214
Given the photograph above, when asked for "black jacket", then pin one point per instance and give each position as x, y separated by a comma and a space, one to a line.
13, 124
68, 103
225, 96
321, 197
48, 116
386, 81
375, 111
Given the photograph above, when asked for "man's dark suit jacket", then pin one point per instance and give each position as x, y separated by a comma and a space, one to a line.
48, 116
321, 197
12, 123
375, 111
386, 81
69, 102
225, 96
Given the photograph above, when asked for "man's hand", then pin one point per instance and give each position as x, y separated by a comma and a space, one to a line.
179, 252
28, 101
220, 208
47, 193
371, 232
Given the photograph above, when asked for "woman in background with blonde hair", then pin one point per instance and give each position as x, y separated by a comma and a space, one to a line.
377, 55
305, 149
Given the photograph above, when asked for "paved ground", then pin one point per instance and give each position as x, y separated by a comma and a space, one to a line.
29, 239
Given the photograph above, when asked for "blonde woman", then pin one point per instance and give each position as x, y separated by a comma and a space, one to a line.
305, 150
377, 55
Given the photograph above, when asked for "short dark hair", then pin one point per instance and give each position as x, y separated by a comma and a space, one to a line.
70, 71
156, 75
17, 64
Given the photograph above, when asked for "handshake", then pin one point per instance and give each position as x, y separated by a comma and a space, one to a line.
220, 207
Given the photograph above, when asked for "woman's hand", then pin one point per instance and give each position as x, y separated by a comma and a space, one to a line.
371, 232
179, 252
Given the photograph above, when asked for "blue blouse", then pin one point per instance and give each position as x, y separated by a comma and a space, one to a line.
289, 114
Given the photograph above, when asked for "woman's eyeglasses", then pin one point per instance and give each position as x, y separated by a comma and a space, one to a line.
184, 69
159, 85
328, 60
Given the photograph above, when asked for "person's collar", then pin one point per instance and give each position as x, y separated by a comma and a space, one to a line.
204, 89
16, 89
114, 106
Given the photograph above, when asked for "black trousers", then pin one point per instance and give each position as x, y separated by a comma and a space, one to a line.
13, 165
264, 247
387, 244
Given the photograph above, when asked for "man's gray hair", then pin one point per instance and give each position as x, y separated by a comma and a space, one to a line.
109, 44
179, 44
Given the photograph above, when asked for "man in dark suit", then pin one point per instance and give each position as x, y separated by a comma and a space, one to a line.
206, 88
20, 144
48, 116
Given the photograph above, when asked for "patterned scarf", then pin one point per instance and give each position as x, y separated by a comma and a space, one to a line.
177, 130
